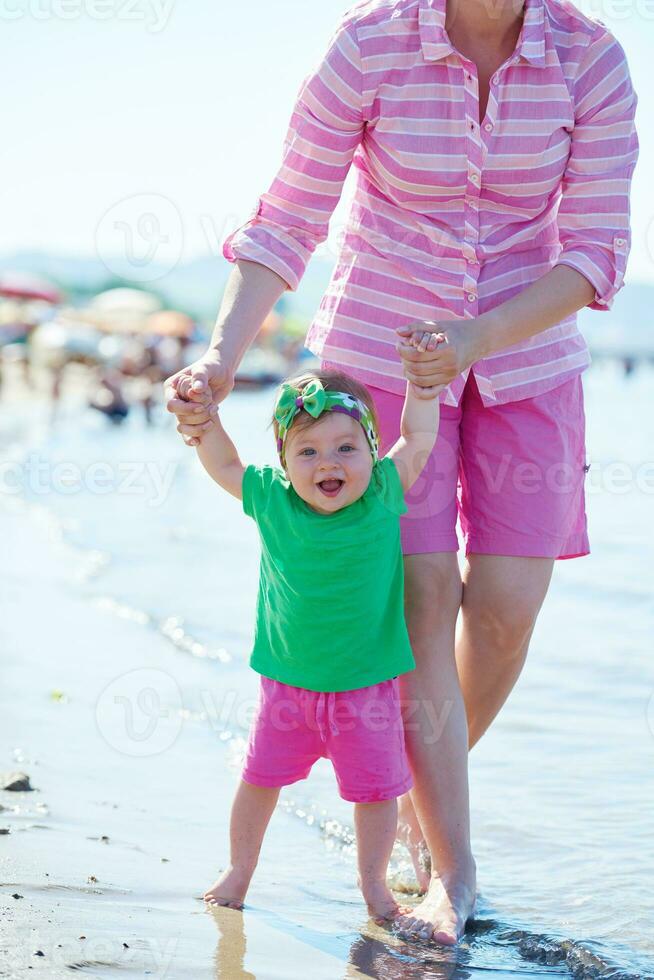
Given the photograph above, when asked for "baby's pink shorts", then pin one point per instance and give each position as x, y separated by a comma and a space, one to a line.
513, 473
360, 731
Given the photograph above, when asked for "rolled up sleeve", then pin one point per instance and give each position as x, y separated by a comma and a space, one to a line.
292, 217
594, 211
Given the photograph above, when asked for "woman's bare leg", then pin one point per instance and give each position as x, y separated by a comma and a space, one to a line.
437, 744
502, 597
501, 600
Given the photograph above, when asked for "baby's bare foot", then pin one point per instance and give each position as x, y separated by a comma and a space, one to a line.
382, 907
229, 890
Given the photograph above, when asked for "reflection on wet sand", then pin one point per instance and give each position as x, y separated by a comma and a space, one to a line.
231, 947
374, 952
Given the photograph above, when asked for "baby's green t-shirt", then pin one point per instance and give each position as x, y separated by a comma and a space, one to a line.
330, 606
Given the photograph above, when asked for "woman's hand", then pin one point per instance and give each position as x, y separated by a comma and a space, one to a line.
207, 382
427, 364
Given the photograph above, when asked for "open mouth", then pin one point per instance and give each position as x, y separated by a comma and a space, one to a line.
330, 488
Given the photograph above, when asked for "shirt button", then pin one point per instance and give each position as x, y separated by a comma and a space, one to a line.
488, 127
472, 297
474, 178
619, 241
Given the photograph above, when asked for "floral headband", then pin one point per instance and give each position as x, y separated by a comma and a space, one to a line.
316, 399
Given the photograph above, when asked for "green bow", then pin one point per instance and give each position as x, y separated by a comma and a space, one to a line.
314, 399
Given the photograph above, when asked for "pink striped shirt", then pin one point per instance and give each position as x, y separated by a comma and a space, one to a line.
450, 218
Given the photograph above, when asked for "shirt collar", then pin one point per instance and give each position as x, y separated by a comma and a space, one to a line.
436, 43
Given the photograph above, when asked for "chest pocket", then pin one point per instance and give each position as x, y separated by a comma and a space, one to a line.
415, 143
526, 152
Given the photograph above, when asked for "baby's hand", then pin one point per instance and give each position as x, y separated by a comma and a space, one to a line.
184, 388
198, 429
424, 340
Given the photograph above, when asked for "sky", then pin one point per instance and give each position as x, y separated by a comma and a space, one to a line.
151, 126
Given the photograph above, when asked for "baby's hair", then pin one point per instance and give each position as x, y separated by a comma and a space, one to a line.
332, 381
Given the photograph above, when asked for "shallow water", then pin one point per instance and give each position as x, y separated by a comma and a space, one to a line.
158, 557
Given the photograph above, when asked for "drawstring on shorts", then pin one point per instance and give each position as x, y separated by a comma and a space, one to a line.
325, 705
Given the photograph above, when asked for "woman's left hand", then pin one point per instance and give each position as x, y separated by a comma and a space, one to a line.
443, 364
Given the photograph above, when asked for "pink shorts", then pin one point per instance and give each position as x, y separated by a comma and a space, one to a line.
513, 473
360, 731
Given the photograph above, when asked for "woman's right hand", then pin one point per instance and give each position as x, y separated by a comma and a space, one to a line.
211, 382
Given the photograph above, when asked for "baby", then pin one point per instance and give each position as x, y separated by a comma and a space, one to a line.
330, 637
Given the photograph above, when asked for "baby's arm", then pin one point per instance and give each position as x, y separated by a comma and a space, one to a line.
220, 458
217, 452
418, 425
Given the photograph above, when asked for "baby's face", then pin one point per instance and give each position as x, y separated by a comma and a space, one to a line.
329, 463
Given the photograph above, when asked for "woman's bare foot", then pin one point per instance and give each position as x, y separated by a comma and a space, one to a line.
410, 834
382, 906
229, 890
442, 915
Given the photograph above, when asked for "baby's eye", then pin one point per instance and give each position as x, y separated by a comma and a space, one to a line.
347, 446
307, 450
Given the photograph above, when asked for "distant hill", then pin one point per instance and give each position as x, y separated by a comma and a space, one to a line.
196, 288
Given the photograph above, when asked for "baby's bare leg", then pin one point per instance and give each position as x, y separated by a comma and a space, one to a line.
375, 825
251, 812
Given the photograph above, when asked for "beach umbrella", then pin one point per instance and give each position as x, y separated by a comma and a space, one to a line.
169, 323
23, 285
125, 298
122, 309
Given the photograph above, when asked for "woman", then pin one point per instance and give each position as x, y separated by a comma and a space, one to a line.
493, 147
